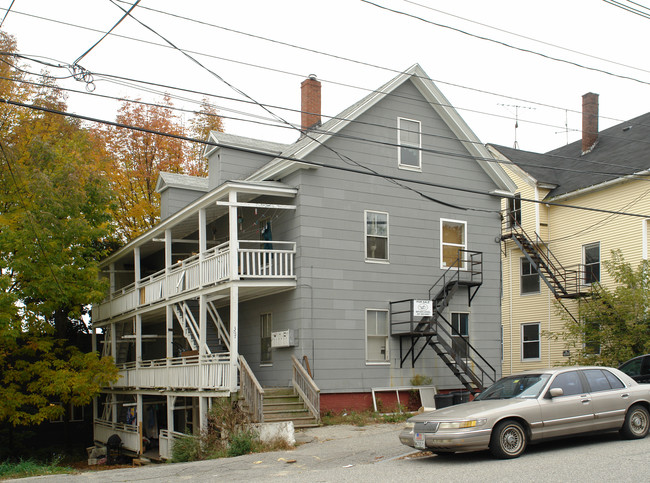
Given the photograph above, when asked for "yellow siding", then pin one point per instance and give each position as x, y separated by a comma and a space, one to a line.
568, 230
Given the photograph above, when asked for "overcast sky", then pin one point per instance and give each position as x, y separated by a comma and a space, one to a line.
353, 47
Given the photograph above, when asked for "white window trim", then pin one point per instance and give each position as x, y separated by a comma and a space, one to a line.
463, 247
539, 342
365, 237
600, 262
365, 330
418, 147
521, 293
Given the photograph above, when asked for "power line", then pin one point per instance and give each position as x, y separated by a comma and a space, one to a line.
504, 44
7, 12
308, 162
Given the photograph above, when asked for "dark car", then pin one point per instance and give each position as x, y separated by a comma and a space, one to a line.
638, 368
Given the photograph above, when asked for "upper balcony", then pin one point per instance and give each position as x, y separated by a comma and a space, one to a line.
222, 237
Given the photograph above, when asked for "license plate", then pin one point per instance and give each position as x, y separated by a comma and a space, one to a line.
418, 439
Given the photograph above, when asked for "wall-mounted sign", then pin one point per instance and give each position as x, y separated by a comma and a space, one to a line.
422, 308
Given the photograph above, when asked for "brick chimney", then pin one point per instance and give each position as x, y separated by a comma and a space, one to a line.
310, 105
589, 121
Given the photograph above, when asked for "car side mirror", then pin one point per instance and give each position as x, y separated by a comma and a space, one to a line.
556, 392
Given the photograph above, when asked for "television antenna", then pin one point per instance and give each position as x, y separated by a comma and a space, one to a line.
516, 113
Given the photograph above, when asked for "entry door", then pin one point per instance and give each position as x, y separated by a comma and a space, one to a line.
460, 336
568, 414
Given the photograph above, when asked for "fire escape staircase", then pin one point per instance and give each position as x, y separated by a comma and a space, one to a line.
472, 370
564, 283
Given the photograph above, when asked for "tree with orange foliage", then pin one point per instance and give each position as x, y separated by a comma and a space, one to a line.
138, 157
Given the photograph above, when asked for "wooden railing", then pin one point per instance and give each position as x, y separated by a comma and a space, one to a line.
128, 433
306, 387
256, 259
166, 440
251, 390
204, 372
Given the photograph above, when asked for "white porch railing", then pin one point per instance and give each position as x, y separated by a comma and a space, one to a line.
205, 372
256, 259
166, 440
128, 433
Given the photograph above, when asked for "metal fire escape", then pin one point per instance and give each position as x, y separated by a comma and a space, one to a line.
435, 331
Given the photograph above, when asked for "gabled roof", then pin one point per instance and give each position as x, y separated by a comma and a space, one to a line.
621, 151
305, 145
256, 145
185, 181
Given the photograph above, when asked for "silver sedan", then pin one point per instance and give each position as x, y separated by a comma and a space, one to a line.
534, 406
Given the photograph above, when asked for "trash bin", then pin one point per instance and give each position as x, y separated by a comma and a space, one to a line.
460, 397
443, 400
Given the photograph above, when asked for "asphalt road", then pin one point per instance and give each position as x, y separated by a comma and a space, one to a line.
373, 453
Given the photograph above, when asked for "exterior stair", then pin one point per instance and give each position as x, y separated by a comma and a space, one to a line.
284, 404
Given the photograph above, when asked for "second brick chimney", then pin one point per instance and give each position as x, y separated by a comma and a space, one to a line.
310, 105
589, 121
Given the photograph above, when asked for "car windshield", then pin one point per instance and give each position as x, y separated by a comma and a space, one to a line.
522, 386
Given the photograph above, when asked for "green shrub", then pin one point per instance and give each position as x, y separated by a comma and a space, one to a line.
241, 442
186, 448
30, 467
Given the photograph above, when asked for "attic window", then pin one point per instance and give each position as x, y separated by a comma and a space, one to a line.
409, 140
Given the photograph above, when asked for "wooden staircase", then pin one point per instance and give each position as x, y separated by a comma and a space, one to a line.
285, 404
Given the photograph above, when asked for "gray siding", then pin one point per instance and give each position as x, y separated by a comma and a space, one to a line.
336, 284
231, 165
175, 199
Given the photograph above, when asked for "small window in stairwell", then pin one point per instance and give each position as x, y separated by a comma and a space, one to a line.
377, 336
376, 234
453, 238
592, 336
409, 140
529, 277
591, 263
530, 342
513, 211
460, 334
266, 326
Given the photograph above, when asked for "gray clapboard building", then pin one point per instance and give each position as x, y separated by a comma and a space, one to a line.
356, 258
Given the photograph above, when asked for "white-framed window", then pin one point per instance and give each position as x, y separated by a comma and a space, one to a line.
460, 334
513, 211
376, 234
76, 413
591, 262
529, 283
530, 342
410, 144
61, 416
453, 237
266, 326
377, 336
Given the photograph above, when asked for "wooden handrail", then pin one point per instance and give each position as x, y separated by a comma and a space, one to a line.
251, 390
306, 387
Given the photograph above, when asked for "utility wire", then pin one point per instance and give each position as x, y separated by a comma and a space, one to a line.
504, 44
7, 12
308, 162
135, 4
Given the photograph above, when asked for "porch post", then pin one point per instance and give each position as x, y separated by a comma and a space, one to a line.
138, 340
232, 233
94, 339
171, 402
113, 341
234, 331
111, 277
168, 249
113, 399
202, 231
169, 340
139, 411
136, 266
203, 413
203, 329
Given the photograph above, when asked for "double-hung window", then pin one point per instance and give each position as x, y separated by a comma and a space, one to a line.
591, 261
530, 342
513, 211
460, 334
376, 336
376, 236
266, 326
453, 237
409, 140
529, 277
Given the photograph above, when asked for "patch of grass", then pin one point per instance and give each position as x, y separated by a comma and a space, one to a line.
25, 468
362, 418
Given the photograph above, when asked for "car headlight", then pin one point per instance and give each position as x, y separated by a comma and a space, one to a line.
469, 423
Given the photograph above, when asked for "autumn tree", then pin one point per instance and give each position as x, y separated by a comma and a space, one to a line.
54, 227
613, 324
138, 156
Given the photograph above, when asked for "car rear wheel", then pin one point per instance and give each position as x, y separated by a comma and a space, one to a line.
508, 439
637, 423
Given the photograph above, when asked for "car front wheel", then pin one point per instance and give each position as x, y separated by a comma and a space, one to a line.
508, 440
637, 423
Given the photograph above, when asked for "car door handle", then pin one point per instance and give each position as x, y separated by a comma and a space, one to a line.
586, 401
625, 395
